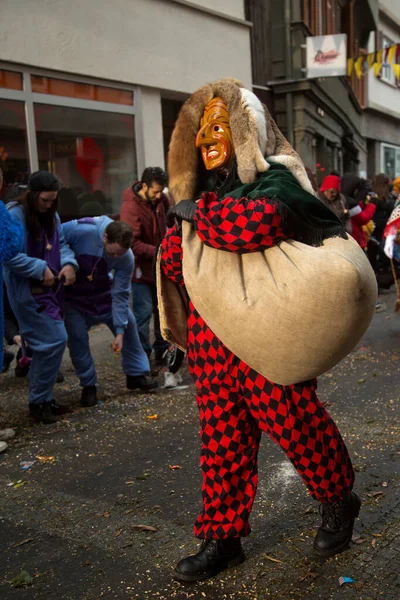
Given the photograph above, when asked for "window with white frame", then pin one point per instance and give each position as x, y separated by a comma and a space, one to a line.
390, 160
387, 71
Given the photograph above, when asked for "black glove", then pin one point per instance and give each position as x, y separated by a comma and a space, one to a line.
183, 211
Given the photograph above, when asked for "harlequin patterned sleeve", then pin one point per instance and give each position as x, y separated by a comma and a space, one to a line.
233, 225
171, 256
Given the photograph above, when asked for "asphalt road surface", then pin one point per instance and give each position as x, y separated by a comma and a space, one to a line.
107, 507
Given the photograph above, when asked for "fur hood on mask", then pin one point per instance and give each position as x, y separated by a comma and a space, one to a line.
255, 134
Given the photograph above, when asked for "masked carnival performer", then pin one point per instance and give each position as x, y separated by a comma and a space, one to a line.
231, 204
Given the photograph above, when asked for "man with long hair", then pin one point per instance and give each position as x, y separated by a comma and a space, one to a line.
35, 280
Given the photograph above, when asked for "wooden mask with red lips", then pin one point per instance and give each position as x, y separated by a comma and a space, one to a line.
215, 137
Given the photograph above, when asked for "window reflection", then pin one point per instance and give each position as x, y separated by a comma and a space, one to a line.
13, 145
85, 91
92, 152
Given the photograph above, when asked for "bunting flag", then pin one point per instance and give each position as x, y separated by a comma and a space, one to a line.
396, 69
371, 60
350, 65
359, 66
378, 63
385, 57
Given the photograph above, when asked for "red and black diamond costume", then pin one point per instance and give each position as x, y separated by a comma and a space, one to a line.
255, 212
237, 404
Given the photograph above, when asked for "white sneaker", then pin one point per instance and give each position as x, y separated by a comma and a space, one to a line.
6, 434
172, 380
3, 447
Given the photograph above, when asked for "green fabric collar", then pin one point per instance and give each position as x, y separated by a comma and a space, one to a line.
303, 214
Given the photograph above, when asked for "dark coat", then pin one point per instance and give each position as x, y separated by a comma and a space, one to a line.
147, 220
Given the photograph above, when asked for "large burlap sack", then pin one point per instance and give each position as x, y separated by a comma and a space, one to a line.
291, 312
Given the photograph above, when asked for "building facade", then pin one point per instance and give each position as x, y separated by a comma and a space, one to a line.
382, 114
322, 118
90, 91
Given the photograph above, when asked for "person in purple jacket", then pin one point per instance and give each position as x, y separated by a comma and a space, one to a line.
35, 280
101, 295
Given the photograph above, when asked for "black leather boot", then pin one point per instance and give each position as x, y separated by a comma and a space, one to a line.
214, 556
336, 529
89, 396
59, 409
42, 413
140, 382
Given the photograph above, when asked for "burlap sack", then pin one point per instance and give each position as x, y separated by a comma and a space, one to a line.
291, 312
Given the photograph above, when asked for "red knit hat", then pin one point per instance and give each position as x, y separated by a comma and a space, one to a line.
330, 182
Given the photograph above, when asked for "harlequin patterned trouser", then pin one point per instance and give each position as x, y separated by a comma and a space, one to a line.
236, 404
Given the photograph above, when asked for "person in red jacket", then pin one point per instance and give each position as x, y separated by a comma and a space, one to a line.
144, 208
362, 218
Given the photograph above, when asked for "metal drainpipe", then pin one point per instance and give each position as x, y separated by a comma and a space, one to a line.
288, 66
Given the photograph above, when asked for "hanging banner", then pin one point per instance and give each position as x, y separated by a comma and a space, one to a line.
327, 56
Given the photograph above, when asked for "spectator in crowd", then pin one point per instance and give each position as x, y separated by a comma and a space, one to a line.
35, 280
144, 208
357, 194
391, 232
331, 196
395, 193
11, 237
102, 246
384, 204
363, 222
12, 336
362, 203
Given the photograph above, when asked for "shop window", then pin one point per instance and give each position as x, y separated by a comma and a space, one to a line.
92, 152
84, 91
10, 80
13, 145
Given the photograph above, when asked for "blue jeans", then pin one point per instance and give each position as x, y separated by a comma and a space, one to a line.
144, 301
134, 359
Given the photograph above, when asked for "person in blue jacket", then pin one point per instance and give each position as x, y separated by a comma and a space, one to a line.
101, 295
11, 235
35, 280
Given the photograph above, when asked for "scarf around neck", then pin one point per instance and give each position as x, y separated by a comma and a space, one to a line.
303, 214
